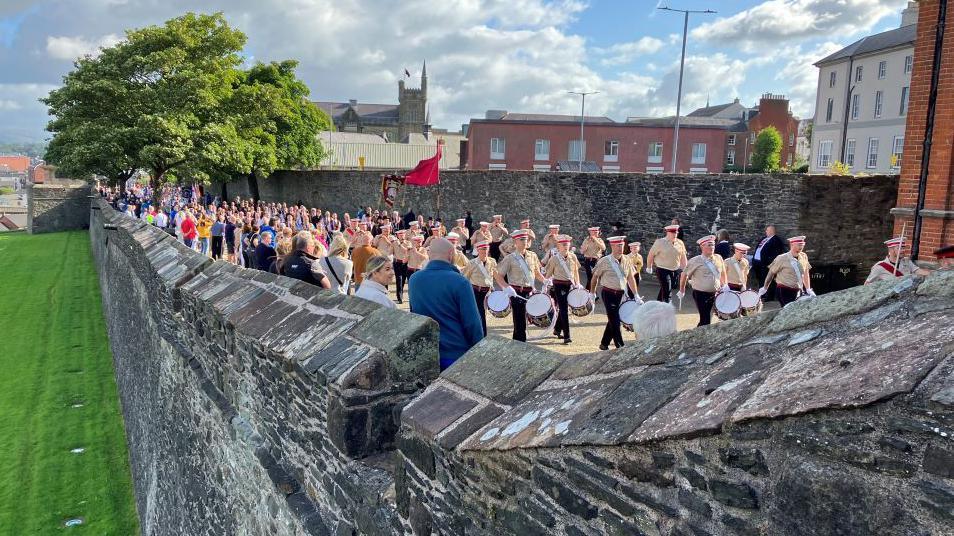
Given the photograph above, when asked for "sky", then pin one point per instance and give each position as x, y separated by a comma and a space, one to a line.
515, 55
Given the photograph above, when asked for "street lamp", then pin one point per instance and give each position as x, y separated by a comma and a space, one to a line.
682, 64
582, 95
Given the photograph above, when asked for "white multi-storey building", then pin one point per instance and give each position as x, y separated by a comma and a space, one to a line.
862, 101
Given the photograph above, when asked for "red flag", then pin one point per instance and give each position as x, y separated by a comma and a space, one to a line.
427, 172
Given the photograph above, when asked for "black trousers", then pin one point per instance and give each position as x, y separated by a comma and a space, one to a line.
785, 295
704, 303
737, 288
588, 265
611, 301
519, 312
495, 250
479, 296
668, 281
217, 247
560, 292
400, 278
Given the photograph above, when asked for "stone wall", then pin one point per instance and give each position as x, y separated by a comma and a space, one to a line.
846, 219
253, 404
58, 205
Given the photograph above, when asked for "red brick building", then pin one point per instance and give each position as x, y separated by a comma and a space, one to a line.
931, 113
544, 142
14, 164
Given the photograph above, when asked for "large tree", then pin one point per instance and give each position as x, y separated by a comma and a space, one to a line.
767, 155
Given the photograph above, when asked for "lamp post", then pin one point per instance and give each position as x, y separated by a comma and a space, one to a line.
582, 95
682, 64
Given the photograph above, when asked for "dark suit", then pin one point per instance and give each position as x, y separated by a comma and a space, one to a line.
724, 249
772, 248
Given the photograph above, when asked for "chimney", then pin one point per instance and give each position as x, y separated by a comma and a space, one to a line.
353, 102
910, 14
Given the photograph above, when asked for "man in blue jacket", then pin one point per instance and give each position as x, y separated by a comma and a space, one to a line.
440, 292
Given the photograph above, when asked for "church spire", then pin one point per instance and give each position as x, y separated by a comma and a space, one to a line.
424, 78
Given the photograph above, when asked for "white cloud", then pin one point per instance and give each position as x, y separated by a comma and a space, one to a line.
6, 104
70, 48
621, 53
776, 21
800, 76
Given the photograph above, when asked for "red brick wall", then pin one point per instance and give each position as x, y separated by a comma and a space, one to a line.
633, 144
774, 112
936, 230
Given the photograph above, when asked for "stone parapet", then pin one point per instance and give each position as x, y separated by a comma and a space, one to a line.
58, 205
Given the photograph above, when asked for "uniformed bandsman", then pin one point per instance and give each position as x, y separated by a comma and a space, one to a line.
384, 241
417, 257
462, 232
480, 272
364, 229
707, 274
562, 270
613, 274
497, 235
791, 273
400, 249
351, 232
636, 258
507, 246
520, 268
436, 232
460, 260
414, 228
894, 265
550, 239
592, 249
482, 234
737, 268
668, 258
525, 225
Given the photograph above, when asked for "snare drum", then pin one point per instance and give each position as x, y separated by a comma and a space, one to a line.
580, 302
728, 305
497, 304
540, 310
751, 302
627, 313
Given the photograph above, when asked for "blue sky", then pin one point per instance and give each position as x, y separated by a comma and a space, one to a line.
518, 55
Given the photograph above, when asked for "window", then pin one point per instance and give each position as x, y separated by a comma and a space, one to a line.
575, 154
896, 150
789, 159
831, 79
752, 137
882, 70
872, 153
611, 151
730, 157
828, 111
731, 139
904, 101
497, 148
541, 150
879, 97
858, 71
850, 153
655, 152
698, 153
855, 106
824, 154
791, 139
908, 64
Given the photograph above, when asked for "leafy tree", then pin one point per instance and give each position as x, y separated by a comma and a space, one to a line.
767, 153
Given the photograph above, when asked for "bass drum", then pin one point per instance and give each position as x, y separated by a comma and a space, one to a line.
627, 314
540, 310
497, 304
580, 302
728, 305
751, 302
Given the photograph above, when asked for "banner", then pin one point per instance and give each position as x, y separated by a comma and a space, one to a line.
389, 188
428, 171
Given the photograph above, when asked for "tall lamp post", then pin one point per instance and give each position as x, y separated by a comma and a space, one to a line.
682, 64
582, 95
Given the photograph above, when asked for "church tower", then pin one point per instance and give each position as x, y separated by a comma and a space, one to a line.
412, 107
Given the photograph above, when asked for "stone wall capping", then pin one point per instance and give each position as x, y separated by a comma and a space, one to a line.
408, 341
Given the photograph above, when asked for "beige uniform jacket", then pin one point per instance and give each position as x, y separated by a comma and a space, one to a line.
880, 273
507, 246
384, 244
549, 242
462, 232
555, 269
607, 274
498, 232
785, 274
400, 249
637, 260
512, 269
666, 254
417, 258
481, 236
460, 260
737, 270
592, 248
476, 277
701, 276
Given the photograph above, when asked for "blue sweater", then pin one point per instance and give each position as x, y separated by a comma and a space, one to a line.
440, 292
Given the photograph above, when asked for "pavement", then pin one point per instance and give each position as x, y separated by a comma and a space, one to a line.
586, 332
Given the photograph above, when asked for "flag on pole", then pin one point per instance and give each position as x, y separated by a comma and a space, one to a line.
407, 74
428, 171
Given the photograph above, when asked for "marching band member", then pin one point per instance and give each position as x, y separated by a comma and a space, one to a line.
480, 272
460, 260
482, 234
384, 241
614, 273
417, 257
520, 268
894, 266
497, 234
592, 249
525, 225
437, 231
707, 274
462, 232
668, 257
791, 273
550, 239
563, 270
636, 258
400, 249
737, 268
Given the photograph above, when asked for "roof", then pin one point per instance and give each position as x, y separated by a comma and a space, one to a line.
365, 111
349, 137
731, 110
898, 37
686, 121
8, 223
551, 118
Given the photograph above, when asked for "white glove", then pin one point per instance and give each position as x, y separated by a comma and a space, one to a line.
510, 292
593, 295
639, 299
762, 291
811, 293
725, 288
681, 294
549, 282
649, 269
577, 285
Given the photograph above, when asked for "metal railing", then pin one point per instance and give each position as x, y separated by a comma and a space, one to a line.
349, 155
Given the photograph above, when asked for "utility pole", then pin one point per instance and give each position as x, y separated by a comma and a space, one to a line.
682, 64
582, 95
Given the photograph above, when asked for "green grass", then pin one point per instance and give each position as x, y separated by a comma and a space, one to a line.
54, 353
